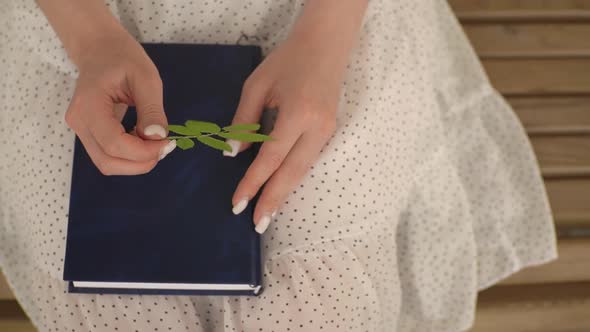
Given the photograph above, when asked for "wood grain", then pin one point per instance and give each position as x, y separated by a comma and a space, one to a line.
13, 318
517, 16
16, 325
10, 309
504, 5
5, 292
572, 265
565, 113
540, 76
530, 40
570, 200
563, 155
534, 308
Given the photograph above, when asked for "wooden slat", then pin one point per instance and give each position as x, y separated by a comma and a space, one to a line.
572, 265
552, 112
16, 325
534, 308
13, 318
570, 201
540, 76
522, 40
5, 292
563, 155
10, 309
503, 5
486, 17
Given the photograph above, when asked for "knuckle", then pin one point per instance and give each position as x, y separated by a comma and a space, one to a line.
112, 147
149, 75
269, 199
251, 86
145, 169
149, 167
317, 114
248, 85
155, 80
272, 159
151, 110
308, 115
69, 118
298, 168
311, 111
104, 166
71, 113
240, 118
327, 126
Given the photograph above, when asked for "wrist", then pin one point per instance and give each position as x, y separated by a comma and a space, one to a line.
96, 36
82, 25
86, 48
330, 26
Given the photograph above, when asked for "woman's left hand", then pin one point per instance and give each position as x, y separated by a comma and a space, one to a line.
302, 77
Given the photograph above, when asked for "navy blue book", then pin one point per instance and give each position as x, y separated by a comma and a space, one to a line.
170, 231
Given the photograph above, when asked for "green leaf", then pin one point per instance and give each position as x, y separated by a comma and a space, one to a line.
185, 143
215, 143
243, 126
182, 130
203, 126
246, 137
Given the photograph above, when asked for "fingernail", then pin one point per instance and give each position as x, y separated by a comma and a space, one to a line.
238, 208
274, 213
155, 129
262, 224
167, 149
235, 146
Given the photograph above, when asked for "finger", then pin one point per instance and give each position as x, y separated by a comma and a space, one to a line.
108, 165
110, 134
288, 176
269, 158
249, 110
147, 93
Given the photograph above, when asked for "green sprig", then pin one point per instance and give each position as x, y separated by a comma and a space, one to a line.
204, 131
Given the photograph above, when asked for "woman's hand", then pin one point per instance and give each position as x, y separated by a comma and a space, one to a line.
113, 69
119, 73
302, 78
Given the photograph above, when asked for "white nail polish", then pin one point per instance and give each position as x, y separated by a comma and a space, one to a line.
235, 146
155, 129
274, 213
167, 149
238, 208
262, 224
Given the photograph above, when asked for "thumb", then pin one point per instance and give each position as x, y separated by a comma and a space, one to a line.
146, 91
252, 100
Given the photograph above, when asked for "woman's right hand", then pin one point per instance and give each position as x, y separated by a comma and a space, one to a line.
116, 70
113, 69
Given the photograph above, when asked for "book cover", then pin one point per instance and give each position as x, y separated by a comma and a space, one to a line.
170, 231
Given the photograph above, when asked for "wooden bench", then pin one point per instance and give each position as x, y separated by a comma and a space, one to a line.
537, 53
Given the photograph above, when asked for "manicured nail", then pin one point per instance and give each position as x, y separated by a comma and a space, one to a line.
274, 213
167, 149
155, 129
238, 208
235, 146
262, 224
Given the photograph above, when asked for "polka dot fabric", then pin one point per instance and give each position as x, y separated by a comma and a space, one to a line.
428, 191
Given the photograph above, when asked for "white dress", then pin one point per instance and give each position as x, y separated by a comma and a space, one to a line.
428, 191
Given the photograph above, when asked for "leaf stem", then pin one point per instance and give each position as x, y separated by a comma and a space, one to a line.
188, 136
